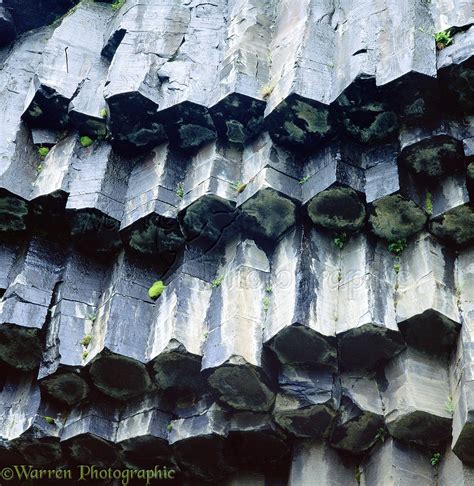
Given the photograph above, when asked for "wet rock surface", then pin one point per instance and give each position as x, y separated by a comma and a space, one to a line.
236, 239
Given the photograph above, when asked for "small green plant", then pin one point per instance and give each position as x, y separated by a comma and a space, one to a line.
305, 179
358, 474
104, 113
92, 317
435, 459
449, 405
397, 247
180, 190
267, 90
443, 39
169, 427
156, 290
269, 290
381, 434
266, 304
396, 267
43, 152
340, 240
239, 187
86, 340
118, 4
206, 334
429, 203
49, 420
39, 168
86, 141
339, 276
217, 282
84, 355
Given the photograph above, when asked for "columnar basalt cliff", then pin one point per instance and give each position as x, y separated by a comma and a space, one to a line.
237, 239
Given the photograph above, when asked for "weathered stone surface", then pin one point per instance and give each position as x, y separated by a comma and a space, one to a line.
180, 329
307, 402
395, 463
244, 70
65, 65
69, 331
312, 459
461, 366
427, 312
89, 433
360, 416
395, 217
198, 442
302, 306
236, 365
332, 190
262, 164
23, 422
366, 327
254, 442
417, 398
24, 307
208, 196
142, 433
149, 225
453, 471
117, 354
455, 226
455, 67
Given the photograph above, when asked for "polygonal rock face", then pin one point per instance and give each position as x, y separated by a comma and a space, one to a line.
242, 388
456, 71
371, 123
431, 331
13, 213
299, 122
307, 403
68, 388
415, 397
360, 414
20, 347
368, 346
455, 226
204, 221
269, 214
338, 209
240, 147
93, 230
315, 459
120, 377
300, 345
238, 118
89, 449
398, 463
40, 452
435, 157
154, 236
133, 123
189, 126
144, 452
179, 375
396, 218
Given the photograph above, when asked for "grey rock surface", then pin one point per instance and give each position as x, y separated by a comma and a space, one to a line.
236, 239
